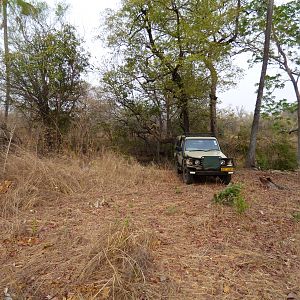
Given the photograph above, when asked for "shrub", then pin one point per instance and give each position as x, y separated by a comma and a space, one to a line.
231, 196
279, 155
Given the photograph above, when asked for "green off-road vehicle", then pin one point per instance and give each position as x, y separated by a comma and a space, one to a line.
197, 154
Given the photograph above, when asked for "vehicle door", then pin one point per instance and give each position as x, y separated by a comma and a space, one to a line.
180, 153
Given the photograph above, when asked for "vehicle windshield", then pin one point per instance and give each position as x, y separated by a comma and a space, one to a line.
201, 145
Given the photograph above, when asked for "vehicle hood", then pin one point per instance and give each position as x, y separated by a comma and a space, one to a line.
199, 154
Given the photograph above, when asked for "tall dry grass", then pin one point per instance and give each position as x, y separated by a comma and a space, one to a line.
35, 181
111, 264
52, 244
118, 264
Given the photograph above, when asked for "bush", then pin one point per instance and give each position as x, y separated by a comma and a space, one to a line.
279, 155
231, 196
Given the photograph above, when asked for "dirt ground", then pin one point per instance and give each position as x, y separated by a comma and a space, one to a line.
199, 250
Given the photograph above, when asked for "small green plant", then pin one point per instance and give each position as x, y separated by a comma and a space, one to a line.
178, 190
240, 204
171, 210
34, 227
232, 196
296, 216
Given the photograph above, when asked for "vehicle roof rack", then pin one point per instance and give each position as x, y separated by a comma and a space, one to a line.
208, 134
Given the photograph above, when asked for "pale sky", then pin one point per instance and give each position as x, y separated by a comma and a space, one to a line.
85, 15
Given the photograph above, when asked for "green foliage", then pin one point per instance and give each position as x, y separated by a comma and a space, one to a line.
55, 58
178, 190
166, 47
296, 216
287, 24
34, 227
172, 210
240, 205
46, 67
280, 154
231, 196
25, 7
228, 195
271, 107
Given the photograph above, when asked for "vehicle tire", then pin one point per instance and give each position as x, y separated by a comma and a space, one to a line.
179, 170
186, 176
226, 179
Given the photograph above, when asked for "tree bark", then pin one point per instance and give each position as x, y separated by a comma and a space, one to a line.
213, 97
6, 62
250, 160
298, 99
183, 99
185, 117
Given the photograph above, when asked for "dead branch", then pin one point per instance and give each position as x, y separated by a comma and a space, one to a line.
269, 183
293, 130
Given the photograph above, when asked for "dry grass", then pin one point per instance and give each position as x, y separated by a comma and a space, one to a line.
109, 228
36, 181
50, 247
110, 264
116, 265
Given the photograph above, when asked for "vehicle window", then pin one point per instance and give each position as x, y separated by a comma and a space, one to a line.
203, 144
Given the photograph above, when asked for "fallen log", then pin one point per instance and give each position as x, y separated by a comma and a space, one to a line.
293, 130
269, 183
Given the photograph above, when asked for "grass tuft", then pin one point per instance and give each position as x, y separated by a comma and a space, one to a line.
118, 262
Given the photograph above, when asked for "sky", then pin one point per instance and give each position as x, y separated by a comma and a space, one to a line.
86, 16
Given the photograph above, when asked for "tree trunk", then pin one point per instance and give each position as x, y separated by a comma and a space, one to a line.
295, 85
250, 160
183, 100
185, 116
298, 153
168, 118
6, 61
213, 97
296, 89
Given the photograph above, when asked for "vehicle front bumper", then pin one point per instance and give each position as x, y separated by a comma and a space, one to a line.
221, 171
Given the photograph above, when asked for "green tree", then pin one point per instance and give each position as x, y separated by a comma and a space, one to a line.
165, 44
215, 28
250, 160
286, 37
45, 75
15, 6
284, 47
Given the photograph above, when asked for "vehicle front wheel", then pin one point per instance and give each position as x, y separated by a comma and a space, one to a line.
179, 170
186, 176
226, 179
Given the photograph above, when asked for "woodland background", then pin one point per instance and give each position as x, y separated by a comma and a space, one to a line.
167, 62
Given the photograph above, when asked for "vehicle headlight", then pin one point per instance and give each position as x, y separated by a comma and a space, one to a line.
197, 162
229, 162
189, 162
222, 162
